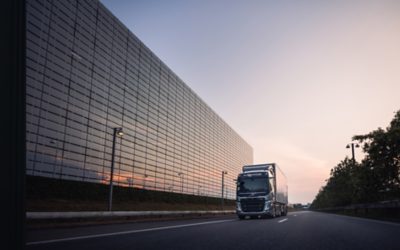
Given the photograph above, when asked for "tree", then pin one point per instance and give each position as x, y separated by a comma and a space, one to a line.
340, 187
382, 162
376, 178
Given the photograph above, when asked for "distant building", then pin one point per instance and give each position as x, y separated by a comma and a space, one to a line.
87, 74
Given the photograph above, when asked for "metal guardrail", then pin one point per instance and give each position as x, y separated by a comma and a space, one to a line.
381, 204
115, 214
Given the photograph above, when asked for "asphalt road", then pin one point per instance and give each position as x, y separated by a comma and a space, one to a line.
298, 230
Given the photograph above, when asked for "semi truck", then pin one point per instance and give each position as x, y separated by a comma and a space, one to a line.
261, 191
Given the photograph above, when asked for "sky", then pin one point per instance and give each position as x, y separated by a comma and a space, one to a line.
295, 79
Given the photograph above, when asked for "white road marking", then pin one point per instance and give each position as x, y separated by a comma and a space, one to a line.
124, 232
282, 220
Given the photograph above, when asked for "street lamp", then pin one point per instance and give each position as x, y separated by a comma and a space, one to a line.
222, 189
352, 145
180, 174
116, 132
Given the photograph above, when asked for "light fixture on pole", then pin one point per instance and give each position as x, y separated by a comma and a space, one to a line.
116, 132
352, 145
222, 188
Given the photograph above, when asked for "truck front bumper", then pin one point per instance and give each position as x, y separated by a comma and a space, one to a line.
262, 213
266, 211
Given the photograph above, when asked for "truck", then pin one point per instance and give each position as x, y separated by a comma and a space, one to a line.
261, 192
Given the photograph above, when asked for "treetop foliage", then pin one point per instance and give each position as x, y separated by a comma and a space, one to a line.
375, 178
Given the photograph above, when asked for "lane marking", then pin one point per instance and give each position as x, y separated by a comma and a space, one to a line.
124, 232
283, 220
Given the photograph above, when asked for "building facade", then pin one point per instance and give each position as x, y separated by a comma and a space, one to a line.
87, 74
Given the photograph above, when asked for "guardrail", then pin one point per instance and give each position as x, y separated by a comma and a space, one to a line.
381, 204
116, 214
384, 210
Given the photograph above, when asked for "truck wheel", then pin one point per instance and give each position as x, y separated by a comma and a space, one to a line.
241, 217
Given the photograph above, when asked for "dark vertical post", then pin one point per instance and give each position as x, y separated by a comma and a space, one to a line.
110, 196
13, 123
353, 158
222, 189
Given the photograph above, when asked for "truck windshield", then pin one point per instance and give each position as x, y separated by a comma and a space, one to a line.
253, 184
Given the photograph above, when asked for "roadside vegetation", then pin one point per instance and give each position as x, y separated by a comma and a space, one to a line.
373, 180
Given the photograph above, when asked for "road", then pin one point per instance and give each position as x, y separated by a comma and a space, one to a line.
298, 230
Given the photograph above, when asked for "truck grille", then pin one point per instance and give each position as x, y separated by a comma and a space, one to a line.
252, 204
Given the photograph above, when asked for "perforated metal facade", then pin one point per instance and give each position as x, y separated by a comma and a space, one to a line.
86, 74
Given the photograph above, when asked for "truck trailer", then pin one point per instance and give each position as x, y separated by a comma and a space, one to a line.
261, 191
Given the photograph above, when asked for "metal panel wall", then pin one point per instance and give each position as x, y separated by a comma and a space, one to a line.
86, 74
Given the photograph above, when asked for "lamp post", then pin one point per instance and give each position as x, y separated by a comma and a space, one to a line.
180, 174
222, 188
352, 145
116, 132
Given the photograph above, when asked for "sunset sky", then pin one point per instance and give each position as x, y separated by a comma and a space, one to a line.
296, 79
